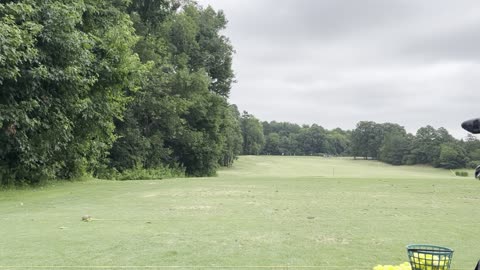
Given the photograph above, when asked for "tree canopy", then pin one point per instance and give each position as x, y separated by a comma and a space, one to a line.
95, 87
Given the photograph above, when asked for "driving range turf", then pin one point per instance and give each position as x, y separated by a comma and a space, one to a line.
300, 212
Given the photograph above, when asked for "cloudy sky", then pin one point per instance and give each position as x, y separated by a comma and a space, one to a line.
338, 62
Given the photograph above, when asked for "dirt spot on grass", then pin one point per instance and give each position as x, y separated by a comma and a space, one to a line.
331, 240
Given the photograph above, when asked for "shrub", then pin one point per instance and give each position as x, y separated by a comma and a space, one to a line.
462, 174
144, 174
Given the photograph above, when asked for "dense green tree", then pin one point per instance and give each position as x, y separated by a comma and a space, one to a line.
306, 140
452, 156
252, 131
233, 137
288, 135
391, 128
426, 145
288, 144
72, 72
395, 146
472, 146
281, 128
338, 142
367, 139
272, 144
312, 140
394, 149
195, 42
65, 69
181, 116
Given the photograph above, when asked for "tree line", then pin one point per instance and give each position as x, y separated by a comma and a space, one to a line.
387, 142
103, 87
110, 88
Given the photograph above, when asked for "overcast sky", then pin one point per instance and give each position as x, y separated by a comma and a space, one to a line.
338, 62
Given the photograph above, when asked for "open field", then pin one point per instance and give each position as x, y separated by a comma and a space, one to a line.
302, 212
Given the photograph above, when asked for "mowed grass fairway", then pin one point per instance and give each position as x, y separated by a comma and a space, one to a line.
265, 211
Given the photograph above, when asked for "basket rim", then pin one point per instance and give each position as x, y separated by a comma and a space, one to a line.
420, 247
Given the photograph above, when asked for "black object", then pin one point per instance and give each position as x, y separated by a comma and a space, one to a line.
472, 126
478, 266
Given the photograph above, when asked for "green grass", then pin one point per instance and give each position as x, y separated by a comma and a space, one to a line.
265, 211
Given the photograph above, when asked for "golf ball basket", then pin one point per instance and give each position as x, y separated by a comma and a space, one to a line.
429, 257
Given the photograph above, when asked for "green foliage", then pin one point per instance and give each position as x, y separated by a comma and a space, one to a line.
92, 87
18, 37
180, 115
252, 131
157, 173
394, 149
462, 174
367, 139
272, 144
64, 72
387, 142
452, 156
283, 138
426, 145
312, 140
233, 140
338, 142
473, 164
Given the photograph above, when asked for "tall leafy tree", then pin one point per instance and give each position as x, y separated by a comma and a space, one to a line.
181, 116
67, 66
252, 131
338, 142
452, 156
272, 144
394, 149
367, 139
426, 145
233, 139
312, 139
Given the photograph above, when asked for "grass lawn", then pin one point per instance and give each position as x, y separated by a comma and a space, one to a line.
301, 212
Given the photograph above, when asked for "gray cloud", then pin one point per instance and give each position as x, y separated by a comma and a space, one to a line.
337, 62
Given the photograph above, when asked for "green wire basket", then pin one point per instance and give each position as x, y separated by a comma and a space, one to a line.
429, 257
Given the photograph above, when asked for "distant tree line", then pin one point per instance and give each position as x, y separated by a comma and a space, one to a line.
101, 88
386, 142
283, 138
392, 144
